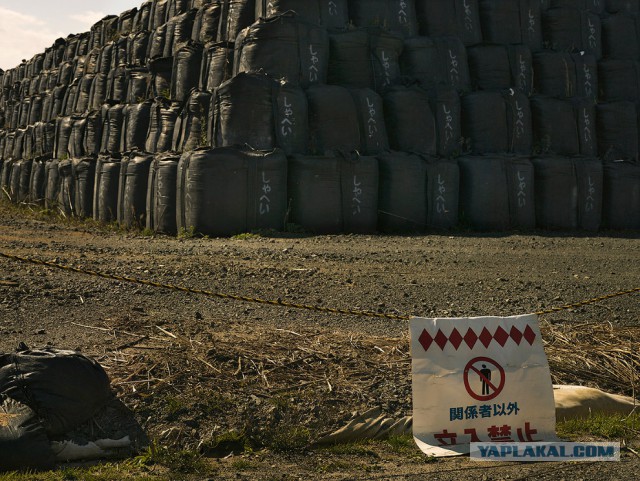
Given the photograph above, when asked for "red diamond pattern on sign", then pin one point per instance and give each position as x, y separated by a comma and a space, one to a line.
425, 339
470, 338
441, 339
455, 338
485, 337
516, 335
501, 336
529, 335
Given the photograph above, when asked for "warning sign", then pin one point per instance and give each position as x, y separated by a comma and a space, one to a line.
479, 379
490, 378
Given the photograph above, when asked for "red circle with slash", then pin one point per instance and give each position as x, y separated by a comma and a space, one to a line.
492, 387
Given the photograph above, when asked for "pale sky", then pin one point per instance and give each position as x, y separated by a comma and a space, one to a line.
28, 27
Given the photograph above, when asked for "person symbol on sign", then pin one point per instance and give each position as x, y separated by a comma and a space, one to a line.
485, 375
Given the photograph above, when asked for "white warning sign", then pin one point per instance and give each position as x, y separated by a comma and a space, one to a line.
483, 379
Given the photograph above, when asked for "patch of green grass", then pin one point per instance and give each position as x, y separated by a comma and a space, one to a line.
605, 426
183, 461
405, 446
215, 403
146, 232
101, 472
243, 465
246, 236
289, 438
230, 442
187, 232
345, 467
351, 449
174, 405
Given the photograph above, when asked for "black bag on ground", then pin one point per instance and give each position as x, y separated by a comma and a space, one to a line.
568, 193
84, 173
37, 182
484, 198
497, 193
402, 201
621, 205
161, 193
333, 193
105, 197
52, 184
132, 189
24, 443
443, 192
64, 388
66, 191
228, 191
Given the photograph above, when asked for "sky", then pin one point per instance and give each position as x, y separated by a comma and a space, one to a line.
28, 27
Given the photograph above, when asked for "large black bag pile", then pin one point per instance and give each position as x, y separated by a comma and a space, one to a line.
43, 395
437, 78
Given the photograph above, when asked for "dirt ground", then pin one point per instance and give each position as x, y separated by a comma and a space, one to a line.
251, 386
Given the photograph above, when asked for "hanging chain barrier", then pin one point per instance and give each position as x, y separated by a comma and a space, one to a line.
279, 302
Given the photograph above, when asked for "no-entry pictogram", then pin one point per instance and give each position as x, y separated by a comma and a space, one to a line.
483, 378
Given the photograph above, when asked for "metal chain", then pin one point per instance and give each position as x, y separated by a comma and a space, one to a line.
280, 302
